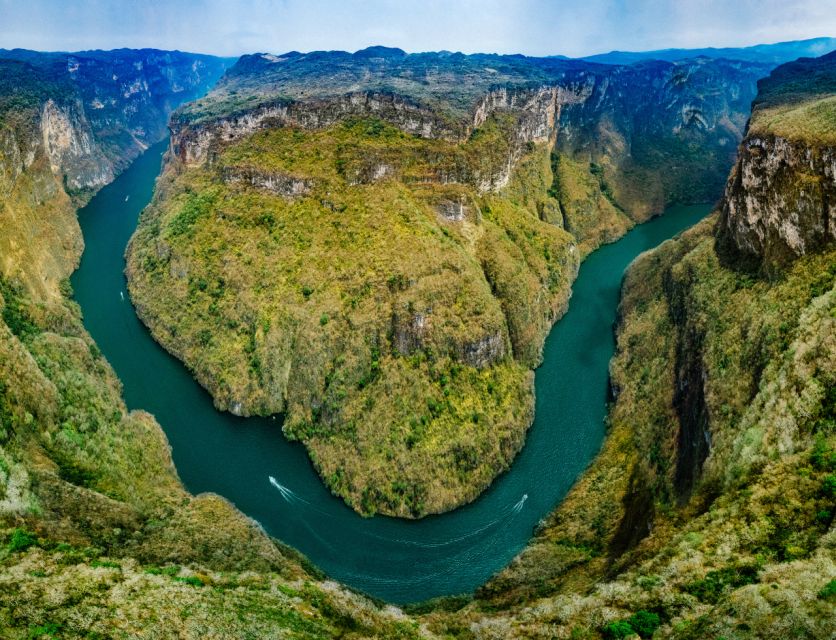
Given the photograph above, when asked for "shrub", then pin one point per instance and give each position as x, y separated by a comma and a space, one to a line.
197, 206
644, 623
192, 580
828, 486
617, 630
48, 629
21, 540
829, 592
711, 588
14, 313
823, 458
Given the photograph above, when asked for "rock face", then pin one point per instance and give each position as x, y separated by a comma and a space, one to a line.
197, 141
279, 184
723, 406
780, 201
107, 107
72, 149
607, 562
111, 485
649, 135
194, 142
399, 261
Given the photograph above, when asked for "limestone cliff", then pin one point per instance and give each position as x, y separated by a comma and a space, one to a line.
95, 526
780, 200
388, 264
746, 550
651, 134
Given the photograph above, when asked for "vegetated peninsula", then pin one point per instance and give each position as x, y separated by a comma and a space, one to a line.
708, 513
376, 244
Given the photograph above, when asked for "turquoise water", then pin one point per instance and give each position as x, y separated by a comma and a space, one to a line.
271, 480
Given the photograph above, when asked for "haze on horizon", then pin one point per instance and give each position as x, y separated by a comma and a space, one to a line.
532, 27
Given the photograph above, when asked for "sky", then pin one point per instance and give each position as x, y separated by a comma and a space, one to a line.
533, 27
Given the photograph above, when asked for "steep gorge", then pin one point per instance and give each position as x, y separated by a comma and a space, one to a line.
98, 549
411, 233
96, 525
68, 124
715, 481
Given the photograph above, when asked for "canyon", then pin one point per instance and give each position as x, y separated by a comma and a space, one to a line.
709, 510
409, 242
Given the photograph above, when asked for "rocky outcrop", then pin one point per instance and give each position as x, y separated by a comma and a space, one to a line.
538, 112
277, 183
540, 106
72, 149
196, 142
371, 292
780, 202
410, 334
649, 135
453, 211
484, 352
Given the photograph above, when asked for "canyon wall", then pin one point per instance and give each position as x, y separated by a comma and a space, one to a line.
68, 124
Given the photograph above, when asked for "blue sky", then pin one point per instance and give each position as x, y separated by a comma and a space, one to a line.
534, 27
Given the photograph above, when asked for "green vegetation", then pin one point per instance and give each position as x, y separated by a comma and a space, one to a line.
327, 304
591, 213
75, 530
755, 529
810, 121
21, 540
446, 84
14, 314
100, 540
397, 220
796, 102
88, 495
715, 584
24, 85
644, 623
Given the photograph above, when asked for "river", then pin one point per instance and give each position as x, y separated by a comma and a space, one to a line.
396, 560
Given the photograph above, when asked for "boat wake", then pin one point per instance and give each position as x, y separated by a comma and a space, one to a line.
287, 494
503, 517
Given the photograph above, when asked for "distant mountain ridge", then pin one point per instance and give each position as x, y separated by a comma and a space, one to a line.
777, 53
